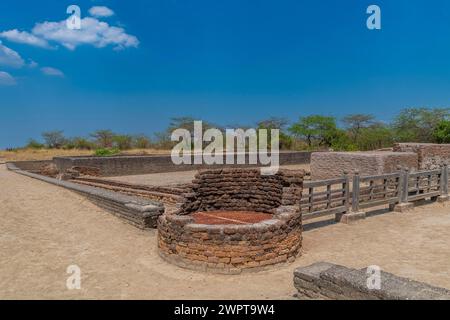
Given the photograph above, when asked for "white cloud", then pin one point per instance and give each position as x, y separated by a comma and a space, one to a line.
32, 64
49, 71
10, 58
24, 37
93, 32
100, 11
6, 79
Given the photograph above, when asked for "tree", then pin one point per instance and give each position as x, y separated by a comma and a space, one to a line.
376, 136
340, 141
82, 143
315, 129
273, 123
188, 124
123, 141
356, 122
54, 139
418, 124
441, 133
103, 138
285, 141
163, 139
141, 141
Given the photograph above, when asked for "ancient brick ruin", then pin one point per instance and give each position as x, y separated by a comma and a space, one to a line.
328, 281
430, 156
328, 165
234, 220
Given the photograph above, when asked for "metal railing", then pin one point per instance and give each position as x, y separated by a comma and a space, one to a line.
338, 196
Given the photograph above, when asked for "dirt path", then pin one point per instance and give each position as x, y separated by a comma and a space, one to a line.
44, 229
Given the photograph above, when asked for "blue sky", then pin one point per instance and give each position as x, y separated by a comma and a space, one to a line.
230, 62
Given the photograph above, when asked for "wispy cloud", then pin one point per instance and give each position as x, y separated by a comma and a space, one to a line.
17, 36
32, 64
6, 79
53, 72
10, 58
101, 11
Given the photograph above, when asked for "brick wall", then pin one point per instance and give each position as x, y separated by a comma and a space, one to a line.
238, 247
328, 165
243, 190
230, 249
430, 156
33, 166
129, 165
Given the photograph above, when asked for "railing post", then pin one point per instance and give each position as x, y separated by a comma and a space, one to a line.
347, 192
445, 179
405, 185
399, 189
444, 185
404, 205
355, 214
355, 192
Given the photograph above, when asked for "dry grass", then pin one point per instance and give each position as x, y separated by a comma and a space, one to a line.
48, 154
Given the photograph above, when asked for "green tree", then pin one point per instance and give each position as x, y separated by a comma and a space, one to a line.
441, 133
376, 136
123, 141
357, 122
54, 139
418, 124
33, 144
315, 129
79, 143
341, 141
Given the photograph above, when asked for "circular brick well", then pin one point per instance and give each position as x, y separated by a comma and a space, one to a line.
235, 220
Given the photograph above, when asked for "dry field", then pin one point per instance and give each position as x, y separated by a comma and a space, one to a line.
48, 154
44, 229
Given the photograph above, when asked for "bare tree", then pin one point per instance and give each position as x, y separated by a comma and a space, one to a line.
54, 139
104, 138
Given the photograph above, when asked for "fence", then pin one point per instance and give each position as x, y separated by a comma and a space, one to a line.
335, 200
335, 197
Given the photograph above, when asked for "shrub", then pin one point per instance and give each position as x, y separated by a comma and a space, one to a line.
33, 144
441, 133
105, 152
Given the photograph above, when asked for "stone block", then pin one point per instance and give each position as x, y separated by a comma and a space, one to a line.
352, 217
404, 207
329, 281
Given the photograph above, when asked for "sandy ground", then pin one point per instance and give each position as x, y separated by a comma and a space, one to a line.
175, 178
44, 229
